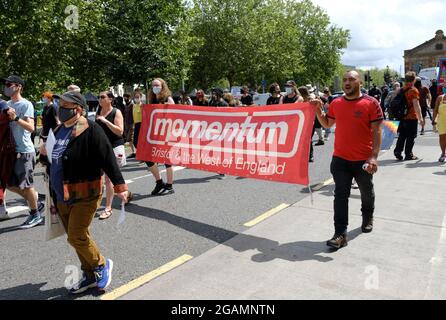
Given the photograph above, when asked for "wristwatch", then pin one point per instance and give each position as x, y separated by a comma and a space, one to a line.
17, 118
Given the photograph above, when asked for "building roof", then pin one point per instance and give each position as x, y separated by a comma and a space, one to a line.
439, 35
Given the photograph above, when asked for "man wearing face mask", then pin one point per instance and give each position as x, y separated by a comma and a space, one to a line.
79, 156
21, 116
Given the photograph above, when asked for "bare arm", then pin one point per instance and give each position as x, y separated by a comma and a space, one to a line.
324, 120
417, 107
376, 147
118, 126
26, 123
376, 138
170, 101
437, 105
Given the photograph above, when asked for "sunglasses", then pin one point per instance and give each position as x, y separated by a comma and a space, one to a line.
103, 97
9, 84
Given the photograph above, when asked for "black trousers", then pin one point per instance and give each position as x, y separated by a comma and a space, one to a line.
343, 172
408, 131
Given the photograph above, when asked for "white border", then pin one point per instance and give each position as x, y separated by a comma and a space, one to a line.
262, 153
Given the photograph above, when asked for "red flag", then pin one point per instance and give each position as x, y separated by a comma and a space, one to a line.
268, 142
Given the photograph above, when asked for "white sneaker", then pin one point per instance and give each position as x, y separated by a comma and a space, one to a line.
442, 158
3, 213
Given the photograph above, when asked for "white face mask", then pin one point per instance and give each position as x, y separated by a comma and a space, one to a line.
289, 90
156, 90
137, 101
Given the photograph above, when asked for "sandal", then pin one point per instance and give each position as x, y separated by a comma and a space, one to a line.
106, 214
129, 198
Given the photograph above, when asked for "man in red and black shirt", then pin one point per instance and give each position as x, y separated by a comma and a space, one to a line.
358, 120
408, 128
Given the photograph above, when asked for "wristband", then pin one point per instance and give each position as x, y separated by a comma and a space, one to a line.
17, 118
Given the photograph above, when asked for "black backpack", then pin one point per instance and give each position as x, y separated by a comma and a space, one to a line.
398, 108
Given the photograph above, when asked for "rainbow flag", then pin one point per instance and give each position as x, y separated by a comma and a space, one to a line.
390, 129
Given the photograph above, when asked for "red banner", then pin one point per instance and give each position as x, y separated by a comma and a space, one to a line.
269, 143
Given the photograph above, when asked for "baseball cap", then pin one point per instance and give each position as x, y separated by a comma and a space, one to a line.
218, 91
290, 83
73, 97
14, 79
310, 88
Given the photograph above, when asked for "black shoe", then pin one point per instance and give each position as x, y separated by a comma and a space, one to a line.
338, 241
320, 143
168, 189
160, 185
311, 159
398, 156
367, 225
410, 158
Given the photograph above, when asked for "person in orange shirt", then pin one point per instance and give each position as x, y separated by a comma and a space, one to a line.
408, 128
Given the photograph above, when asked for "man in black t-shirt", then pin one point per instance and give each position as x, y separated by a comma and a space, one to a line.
246, 99
217, 98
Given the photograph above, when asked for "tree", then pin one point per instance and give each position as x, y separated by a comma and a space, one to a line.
247, 41
322, 42
146, 39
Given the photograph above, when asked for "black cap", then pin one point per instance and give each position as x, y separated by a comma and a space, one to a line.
73, 97
218, 91
14, 79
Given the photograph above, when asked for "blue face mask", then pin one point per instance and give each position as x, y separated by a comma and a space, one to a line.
444, 90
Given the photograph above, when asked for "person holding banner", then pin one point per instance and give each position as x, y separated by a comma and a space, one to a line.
358, 137
160, 94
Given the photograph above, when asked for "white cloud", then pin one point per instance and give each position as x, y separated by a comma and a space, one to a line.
381, 30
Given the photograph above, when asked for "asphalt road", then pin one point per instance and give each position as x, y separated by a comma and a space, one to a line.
203, 212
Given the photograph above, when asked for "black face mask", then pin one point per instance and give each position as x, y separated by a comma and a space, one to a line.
66, 114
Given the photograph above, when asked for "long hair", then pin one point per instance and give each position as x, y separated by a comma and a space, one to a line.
164, 94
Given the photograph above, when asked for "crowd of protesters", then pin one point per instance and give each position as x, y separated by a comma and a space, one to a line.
79, 153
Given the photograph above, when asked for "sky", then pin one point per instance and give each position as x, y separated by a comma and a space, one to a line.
381, 30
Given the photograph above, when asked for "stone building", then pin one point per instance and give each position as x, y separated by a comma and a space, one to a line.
427, 54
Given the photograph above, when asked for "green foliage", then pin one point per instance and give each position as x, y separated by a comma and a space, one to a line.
200, 42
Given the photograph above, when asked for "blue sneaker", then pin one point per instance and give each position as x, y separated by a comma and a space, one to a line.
103, 275
32, 221
84, 284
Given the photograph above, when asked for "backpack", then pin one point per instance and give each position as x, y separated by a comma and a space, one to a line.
398, 108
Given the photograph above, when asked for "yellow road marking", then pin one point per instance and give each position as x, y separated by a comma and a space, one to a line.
323, 184
266, 215
119, 292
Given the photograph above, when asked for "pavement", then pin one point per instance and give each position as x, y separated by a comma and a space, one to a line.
285, 257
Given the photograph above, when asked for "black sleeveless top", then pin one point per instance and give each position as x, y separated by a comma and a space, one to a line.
113, 138
290, 100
